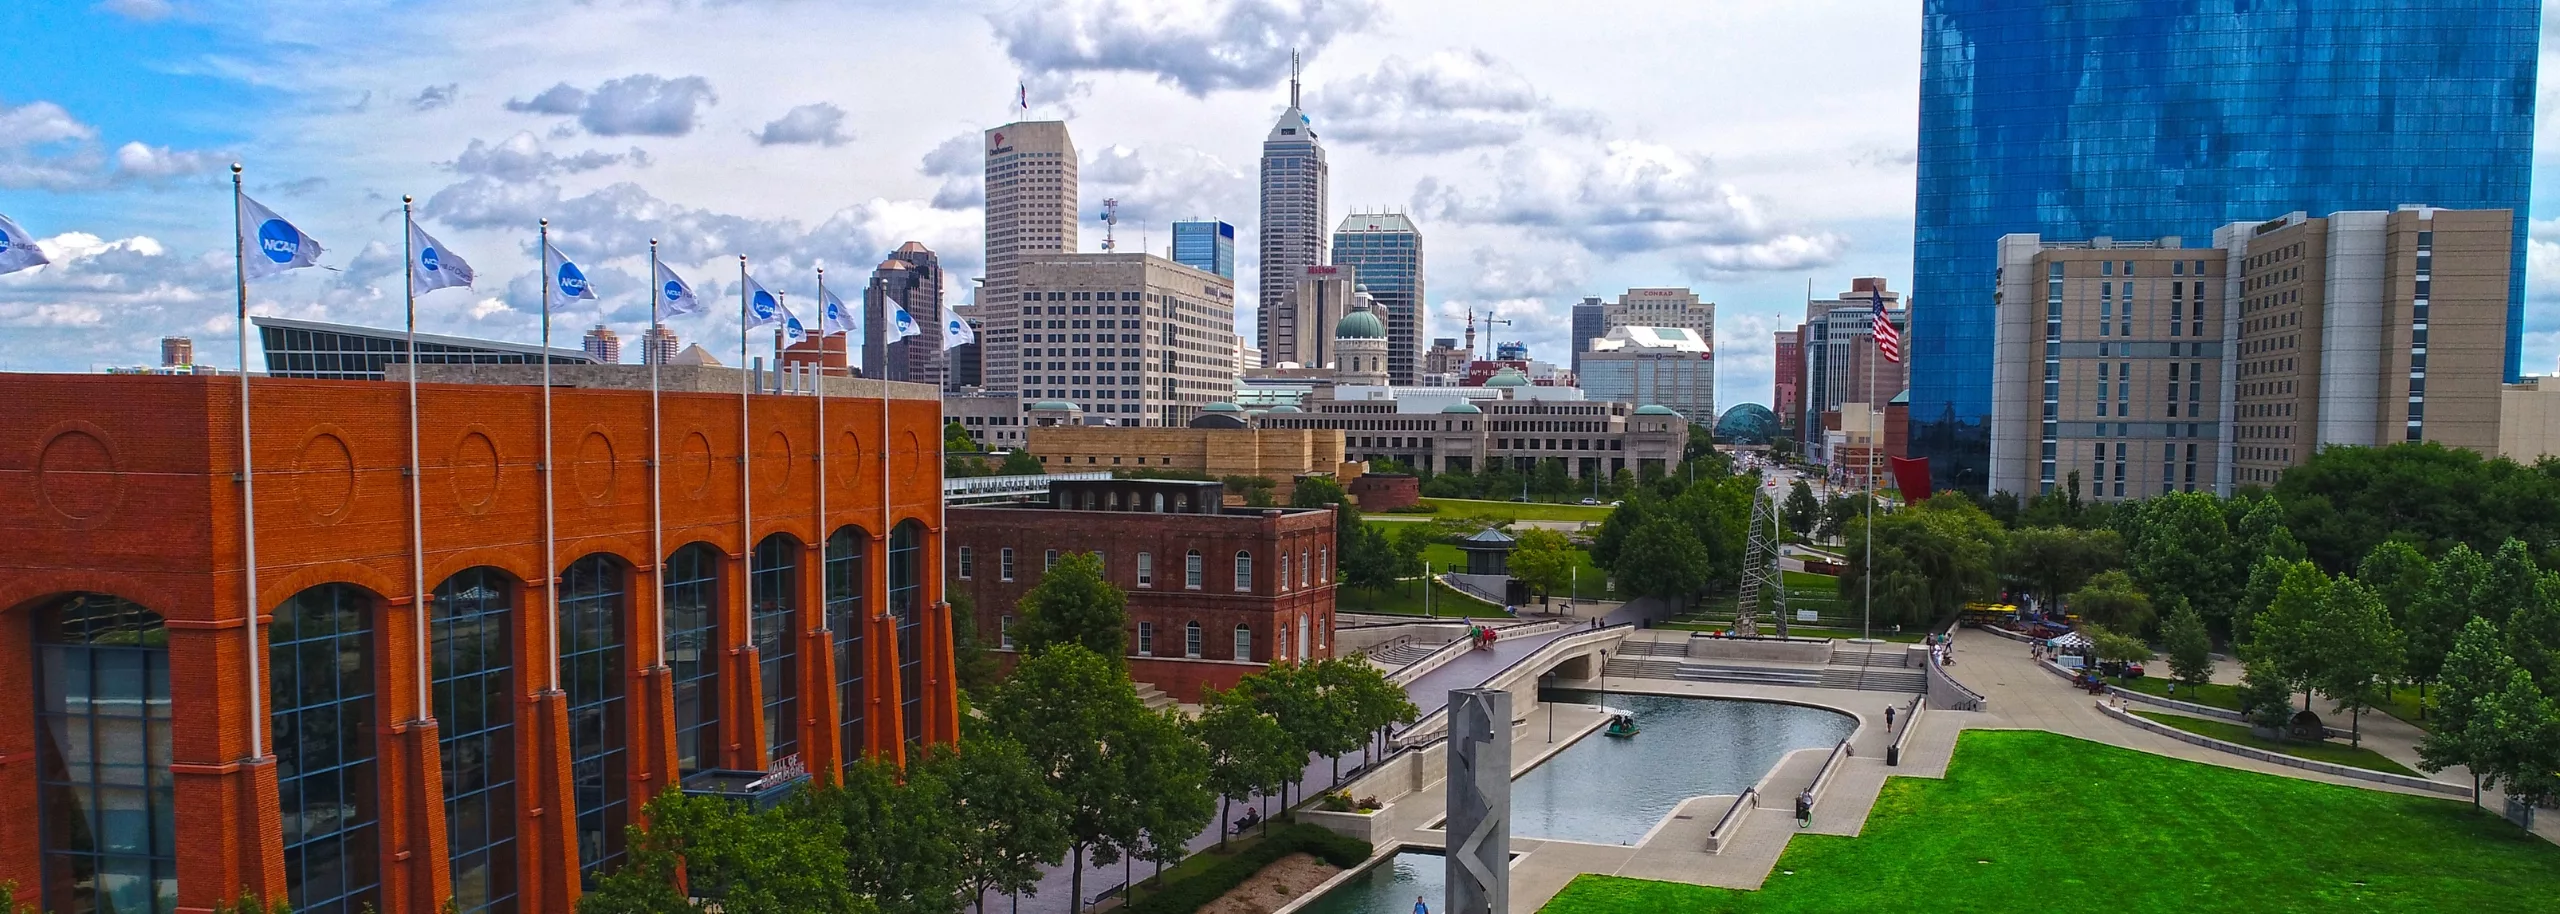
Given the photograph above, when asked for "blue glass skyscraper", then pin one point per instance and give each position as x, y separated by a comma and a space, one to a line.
1208, 245
2143, 118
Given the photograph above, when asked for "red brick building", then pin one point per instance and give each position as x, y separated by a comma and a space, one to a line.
1214, 593
1386, 491
1789, 378
402, 725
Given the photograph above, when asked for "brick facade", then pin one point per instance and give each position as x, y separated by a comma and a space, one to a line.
1164, 602
1386, 491
126, 486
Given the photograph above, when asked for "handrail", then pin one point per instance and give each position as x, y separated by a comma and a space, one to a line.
1440, 715
1732, 814
1910, 721
1822, 776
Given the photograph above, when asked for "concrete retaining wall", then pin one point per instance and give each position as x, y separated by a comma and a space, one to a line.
2380, 777
1347, 641
1702, 647
1731, 824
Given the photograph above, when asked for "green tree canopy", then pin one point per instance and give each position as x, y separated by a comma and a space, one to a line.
1928, 561
2521, 743
2513, 583
1249, 753
2110, 599
2178, 544
1317, 492
2285, 639
1542, 559
2398, 574
2465, 727
1663, 560
1074, 604
2051, 562
786, 860
1801, 512
2443, 610
2190, 646
2360, 651
1080, 722
900, 834
2344, 500
1009, 823
1021, 462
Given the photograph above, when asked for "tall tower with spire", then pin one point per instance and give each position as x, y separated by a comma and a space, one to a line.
1295, 216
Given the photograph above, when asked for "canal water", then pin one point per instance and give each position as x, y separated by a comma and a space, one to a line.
1612, 791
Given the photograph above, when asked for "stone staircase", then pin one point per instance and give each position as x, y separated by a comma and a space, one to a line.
1648, 659
1880, 671
1154, 698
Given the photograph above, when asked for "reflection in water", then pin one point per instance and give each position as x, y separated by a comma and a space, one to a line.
1388, 888
1612, 791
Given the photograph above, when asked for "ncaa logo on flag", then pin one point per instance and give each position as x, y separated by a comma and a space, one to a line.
572, 281
674, 290
427, 258
279, 241
4, 242
764, 304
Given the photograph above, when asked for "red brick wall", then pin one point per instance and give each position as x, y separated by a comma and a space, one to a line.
1386, 491
126, 485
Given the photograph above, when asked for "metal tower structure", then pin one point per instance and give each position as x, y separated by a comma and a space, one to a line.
1110, 225
1764, 581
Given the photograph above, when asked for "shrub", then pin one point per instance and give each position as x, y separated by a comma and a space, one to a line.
1190, 894
1416, 508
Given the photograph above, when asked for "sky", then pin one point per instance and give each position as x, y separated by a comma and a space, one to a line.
1745, 149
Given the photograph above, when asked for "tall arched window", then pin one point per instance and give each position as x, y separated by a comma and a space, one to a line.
1244, 571
468, 627
321, 650
1191, 640
1244, 642
774, 602
1191, 572
848, 552
691, 610
1284, 570
591, 671
906, 601
105, 802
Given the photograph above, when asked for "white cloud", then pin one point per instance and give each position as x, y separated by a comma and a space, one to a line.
140, 10
560, 99
1160, 184
1197, 46
40, 122
522, 158
1633, 198
819, 124
434, 97
643, 104
962, 167
1451, 100
159, 163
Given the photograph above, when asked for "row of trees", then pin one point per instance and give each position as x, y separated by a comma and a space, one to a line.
1675, 540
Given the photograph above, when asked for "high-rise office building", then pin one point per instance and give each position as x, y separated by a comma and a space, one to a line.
602, 345
964, 365
1387, 250
1590, 321
912, 277
1031, 212
1300, 329
2080, 119
1673, 307
1207, 245
1839, 355
176, 351
1295, 210
1786, 390
1666, 366
659, 346
1130, 339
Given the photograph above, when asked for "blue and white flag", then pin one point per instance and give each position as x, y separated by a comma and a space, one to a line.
901, 324
832, 317
17, 250
269, 245
434, 267
793, 332
675, 298
956, 332
565, 276
762, 307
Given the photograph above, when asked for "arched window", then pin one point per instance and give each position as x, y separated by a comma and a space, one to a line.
690, 609
1324, 563
1304, 569
773, 602
1244, 571
1191, 640
106, 807
1284, 571
1191, 571
591, 671
906, 602
469, 623
848, 573
1244, 642
321, 652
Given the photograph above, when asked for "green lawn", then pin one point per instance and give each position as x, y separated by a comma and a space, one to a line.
1517, 511
2404, 705
2211, 694
1406, 600
2335, 752
1806, 580
2035, 821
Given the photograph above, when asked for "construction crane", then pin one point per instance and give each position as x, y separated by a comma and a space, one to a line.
1110, 222
1489, 321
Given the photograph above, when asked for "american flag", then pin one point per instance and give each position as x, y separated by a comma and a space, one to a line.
1888, 339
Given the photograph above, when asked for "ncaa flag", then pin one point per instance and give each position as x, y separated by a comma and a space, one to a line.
565, 276
832, 317
901, 324
17, 250
269, 245
956, 332
675, 298
792, 330
762, 307
432, 266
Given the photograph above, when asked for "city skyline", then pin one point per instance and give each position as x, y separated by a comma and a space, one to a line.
1528, 180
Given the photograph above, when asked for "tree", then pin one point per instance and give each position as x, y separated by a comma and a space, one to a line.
2360, 652
2178, 544
2398, 574
972, 665
2112, 645
1621, 522
2475, 670
2440, 614
1020, 462
2050, 562
1317, 492
786, 860
1837, 513
956, 438
1542, 559
2190, 646
1552, 478
1928, 561
2110, 599
2346, 499
1174, 803
1370, 702
2513, 583
1009, 822
2533, 635
901, 840
2265, 697
1289, 693
1255, 490
1074, 604
1249, 754
2285, 640
2522, 745
1662, 560
2264, 576
1801, 511
1080, 722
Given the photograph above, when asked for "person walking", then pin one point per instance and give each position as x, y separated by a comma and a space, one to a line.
1419, 907
1804, 809
1888, 718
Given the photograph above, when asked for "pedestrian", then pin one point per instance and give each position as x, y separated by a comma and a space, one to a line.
1888, 717
1804, 809
1419, 907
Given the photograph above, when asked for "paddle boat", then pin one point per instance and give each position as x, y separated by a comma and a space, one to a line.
1622, 724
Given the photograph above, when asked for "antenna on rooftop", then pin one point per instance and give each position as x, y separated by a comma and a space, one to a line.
1110, 224
1293, 77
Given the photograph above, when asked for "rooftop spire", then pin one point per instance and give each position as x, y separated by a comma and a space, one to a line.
1293, 77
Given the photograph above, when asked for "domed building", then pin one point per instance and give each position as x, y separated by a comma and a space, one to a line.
1749, 423
1360, 350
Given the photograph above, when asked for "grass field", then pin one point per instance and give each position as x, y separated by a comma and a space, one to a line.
2335, 752
2034, 821
2211, 694
1517, 511
1828, 585
1407, 601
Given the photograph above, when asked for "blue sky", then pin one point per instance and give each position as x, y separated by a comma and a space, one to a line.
1740, 148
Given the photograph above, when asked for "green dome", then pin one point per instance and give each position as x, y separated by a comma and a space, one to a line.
1222, 407
1286, 408
1056, 405
1656, 410
1463, 408
1507, 377
1360, 325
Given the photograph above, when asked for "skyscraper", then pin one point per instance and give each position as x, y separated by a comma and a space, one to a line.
1590, 320
1668, 307
1031, 212
912, 277
659, 346
2079, 119
1302, 328
176, 351
603, 345
1295, 210
1171, 349
1387, 250
1207, 245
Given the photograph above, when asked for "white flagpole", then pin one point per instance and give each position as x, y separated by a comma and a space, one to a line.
823, 533
248, 500
1875, 442
657, 490
417, 482
746, 453
550, 528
